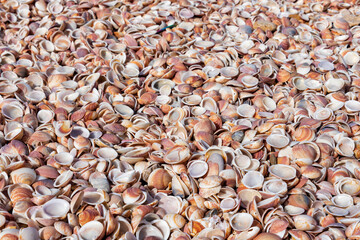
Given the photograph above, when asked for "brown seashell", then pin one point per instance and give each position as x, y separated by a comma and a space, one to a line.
267, 236
47, 171
159, 179
89, 214
20, 194
49, 233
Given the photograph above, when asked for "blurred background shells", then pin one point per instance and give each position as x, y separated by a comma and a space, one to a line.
150, 120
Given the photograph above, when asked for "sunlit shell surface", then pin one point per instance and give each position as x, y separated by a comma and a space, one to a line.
179, 120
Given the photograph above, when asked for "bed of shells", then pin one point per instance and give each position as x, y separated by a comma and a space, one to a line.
189, 119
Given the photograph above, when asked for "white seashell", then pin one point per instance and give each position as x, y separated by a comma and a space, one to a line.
91, 231
64, 158
352, 106
249, 81
246, 110
56, 208
45, 116
125, 111
242, 162
334, 84
107, 153
283, 171
63, 179
351, 58
197, 168
269, 104
241, 221
277, 140
253, 179
342, 200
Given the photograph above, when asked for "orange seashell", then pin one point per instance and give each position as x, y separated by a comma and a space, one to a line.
89, 214
159, 179
20, 194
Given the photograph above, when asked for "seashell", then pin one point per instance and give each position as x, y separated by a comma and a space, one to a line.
63, 228
192, 100
107, 153
246, 110
323, 114
348, 186
99, 180
275, 186
13, 130
342, 200
63, 179
210, 185
304, 222
12, 111
124, 111
91, 230
64, 158
49, 232
242, 162
23, 175
267, 236
334, 84
197, 168
45, 116
351, 58
241, 221
159, 179
229, 72
47, 172
177, 154
175, 220
352, 106
345, 147
277, 140
56, 208
204, 44
29, 233
249, 81
253, 179
229, 204
282, 171
93, 198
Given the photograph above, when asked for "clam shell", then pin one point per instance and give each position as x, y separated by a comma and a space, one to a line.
334, 84
56, 208
107, 153
304, 222
45, 116
93, 198
242, 162
253, 179
241, 221
23, 175
125, 111
177, 154
282, 171
63, 179
246, 110
352, 106
197, 168
91, 230
275, 186
351, 58
64, 158
277, 140
342, 200
175, 221
229, 72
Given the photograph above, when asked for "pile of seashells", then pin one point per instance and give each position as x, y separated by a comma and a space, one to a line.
189, 119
